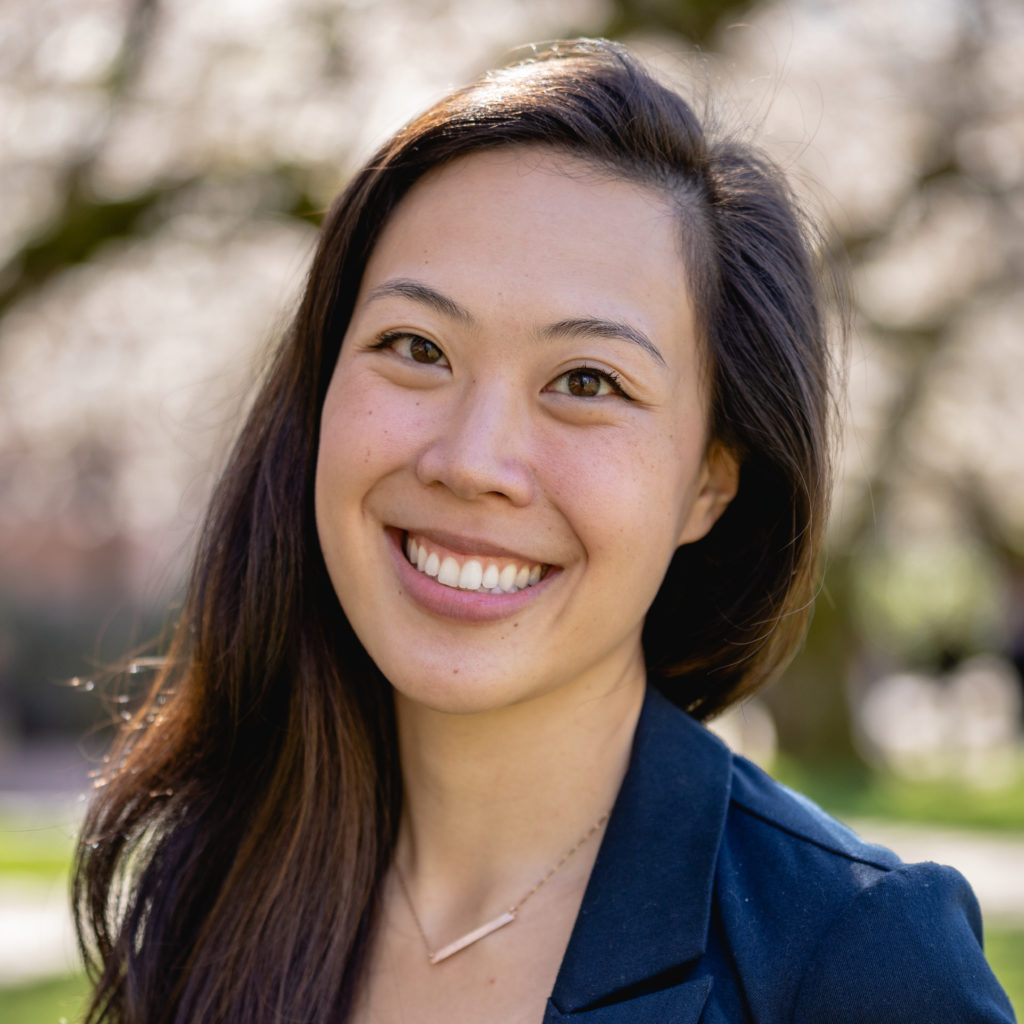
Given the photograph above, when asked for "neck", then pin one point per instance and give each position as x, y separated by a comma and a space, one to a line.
492, 800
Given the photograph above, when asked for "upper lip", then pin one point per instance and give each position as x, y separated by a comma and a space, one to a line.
470, 546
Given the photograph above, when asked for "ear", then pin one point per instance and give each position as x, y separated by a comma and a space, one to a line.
718, 483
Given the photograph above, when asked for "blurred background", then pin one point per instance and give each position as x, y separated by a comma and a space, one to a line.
163, 168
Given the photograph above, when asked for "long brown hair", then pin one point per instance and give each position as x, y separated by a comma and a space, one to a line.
230, 863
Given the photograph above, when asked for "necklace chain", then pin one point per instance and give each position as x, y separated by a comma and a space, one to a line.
506, 917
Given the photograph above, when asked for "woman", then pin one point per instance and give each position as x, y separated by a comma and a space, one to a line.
541, 466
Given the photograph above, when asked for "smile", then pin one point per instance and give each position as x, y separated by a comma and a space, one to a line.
483, 574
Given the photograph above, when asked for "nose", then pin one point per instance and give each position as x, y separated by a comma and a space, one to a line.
478, 446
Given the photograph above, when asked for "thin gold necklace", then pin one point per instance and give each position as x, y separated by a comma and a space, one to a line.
506, 917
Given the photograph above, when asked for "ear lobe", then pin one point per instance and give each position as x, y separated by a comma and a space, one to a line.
719, 482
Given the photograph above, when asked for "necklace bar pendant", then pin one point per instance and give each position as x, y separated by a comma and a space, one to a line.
474, 936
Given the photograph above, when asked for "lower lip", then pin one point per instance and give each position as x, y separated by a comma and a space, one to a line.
458, 605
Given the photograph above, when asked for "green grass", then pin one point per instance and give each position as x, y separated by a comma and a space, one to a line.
34, 846
955, 804
38, 845
44, 1002
1005, 952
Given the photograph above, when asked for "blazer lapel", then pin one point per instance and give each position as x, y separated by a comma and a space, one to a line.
646, 908
681, 1004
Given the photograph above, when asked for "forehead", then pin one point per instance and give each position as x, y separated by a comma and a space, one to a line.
555, 185
525, 222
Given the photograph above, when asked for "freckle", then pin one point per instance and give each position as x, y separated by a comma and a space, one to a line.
455, 671
491, 981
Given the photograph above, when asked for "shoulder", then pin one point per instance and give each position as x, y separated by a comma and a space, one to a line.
763, 812
729, 888
855, 934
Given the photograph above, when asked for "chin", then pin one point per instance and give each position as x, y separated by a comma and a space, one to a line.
461, 692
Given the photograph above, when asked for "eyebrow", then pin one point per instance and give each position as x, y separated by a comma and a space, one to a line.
407, 288
587, 326
595, 327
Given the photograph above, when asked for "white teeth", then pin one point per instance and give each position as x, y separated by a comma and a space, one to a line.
449, 572
471, 576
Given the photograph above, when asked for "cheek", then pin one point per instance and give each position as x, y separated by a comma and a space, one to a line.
364, 429
349, 457
624, 493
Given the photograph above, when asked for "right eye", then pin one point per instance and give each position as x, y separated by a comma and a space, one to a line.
413, 347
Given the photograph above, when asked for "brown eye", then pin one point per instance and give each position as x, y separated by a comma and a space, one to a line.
584, 383
424, 351
413, 347
588, 382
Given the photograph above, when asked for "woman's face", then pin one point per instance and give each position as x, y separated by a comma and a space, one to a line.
514, 438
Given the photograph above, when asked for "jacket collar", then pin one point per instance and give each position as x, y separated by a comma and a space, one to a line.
648, 902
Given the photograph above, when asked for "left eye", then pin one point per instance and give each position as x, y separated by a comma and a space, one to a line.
413, 347
585, 382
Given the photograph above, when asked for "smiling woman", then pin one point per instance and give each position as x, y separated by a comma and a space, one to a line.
512, 398
536, 482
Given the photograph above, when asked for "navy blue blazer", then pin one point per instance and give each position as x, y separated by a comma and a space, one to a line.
720, 896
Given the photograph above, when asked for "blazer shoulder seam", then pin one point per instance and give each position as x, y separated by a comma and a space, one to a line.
884, 860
